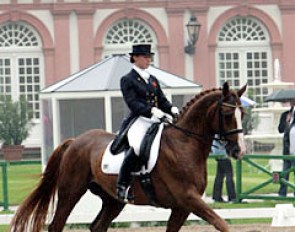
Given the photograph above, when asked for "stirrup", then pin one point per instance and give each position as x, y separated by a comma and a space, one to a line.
124, 194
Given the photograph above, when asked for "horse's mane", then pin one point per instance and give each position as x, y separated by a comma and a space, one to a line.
195, 99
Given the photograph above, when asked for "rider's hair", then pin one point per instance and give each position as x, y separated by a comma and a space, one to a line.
132, 59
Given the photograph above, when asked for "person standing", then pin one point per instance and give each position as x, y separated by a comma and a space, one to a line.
224, 171
144, 97
287, 126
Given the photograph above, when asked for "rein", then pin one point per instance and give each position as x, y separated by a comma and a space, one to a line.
187, 132
222, 133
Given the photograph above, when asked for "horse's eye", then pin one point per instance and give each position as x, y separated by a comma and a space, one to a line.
228, 114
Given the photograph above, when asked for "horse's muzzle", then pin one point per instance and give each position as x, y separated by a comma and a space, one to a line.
233, 149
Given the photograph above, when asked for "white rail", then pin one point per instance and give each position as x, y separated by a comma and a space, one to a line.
89, 206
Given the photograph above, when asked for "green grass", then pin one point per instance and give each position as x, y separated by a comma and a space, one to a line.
234, 221
21, 181
3, 228
251, 177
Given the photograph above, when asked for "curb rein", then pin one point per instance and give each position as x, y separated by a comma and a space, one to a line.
222, 134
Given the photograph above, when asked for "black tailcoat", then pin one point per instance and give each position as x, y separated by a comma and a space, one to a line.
284, 127
140, 96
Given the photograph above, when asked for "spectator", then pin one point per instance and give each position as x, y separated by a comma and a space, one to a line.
224, 170
287, 127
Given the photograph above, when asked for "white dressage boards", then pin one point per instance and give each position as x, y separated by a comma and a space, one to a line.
89, 206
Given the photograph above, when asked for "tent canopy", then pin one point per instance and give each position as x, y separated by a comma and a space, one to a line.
106, 75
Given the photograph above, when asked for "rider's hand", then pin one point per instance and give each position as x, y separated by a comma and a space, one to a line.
168, 118
175, 110
157, 113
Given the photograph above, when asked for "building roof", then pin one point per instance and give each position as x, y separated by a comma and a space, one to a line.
106, 75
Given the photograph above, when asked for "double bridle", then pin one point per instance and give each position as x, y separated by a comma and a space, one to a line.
222, 133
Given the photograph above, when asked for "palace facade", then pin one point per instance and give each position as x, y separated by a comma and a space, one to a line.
44, 41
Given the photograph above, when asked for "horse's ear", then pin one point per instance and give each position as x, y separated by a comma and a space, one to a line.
225, 89
242, 90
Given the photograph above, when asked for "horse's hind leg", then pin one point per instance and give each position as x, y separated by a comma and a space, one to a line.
109, 211
68, 196
176, 220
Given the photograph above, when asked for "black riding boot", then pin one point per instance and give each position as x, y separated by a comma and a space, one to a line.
125, 177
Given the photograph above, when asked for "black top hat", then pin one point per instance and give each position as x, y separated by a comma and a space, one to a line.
141, 49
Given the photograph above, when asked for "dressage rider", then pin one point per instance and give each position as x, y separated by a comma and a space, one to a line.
144, 97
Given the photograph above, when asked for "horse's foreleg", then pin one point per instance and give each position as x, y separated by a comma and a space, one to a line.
176, 219
109, 211
195, 204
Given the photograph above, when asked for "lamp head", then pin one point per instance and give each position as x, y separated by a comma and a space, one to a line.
193, 29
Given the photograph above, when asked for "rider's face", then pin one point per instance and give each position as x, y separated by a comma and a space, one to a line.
142, 61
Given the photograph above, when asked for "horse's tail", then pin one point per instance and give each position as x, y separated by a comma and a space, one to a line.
31, 214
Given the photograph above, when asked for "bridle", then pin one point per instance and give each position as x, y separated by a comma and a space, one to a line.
222, 133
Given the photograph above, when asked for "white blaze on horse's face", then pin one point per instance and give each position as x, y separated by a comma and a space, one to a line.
238, 115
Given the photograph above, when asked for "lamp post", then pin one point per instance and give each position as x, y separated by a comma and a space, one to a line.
193, 29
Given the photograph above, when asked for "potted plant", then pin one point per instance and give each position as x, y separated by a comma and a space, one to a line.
15, 125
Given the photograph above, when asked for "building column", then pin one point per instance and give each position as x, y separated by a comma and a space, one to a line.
48, 66
86, 43
201, 56
62, 44
288, 38
98, 53
176, 41
163, 57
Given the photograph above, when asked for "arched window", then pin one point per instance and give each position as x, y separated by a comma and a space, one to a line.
21, 63
244, 55
129, 31
124, 33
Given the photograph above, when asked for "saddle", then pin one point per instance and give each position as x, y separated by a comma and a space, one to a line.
121, 143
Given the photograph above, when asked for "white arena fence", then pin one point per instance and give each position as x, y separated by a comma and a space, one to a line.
88, 207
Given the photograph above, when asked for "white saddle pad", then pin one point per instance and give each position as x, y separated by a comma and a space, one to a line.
111, 163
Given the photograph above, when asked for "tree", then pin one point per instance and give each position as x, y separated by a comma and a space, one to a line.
15, 120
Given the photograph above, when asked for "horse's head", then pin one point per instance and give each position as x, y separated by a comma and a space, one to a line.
226, 114
217, 112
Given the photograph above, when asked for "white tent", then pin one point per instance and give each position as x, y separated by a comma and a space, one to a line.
92, 98
106, 75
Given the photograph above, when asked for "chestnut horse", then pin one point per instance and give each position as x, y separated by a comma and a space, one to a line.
179, 177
